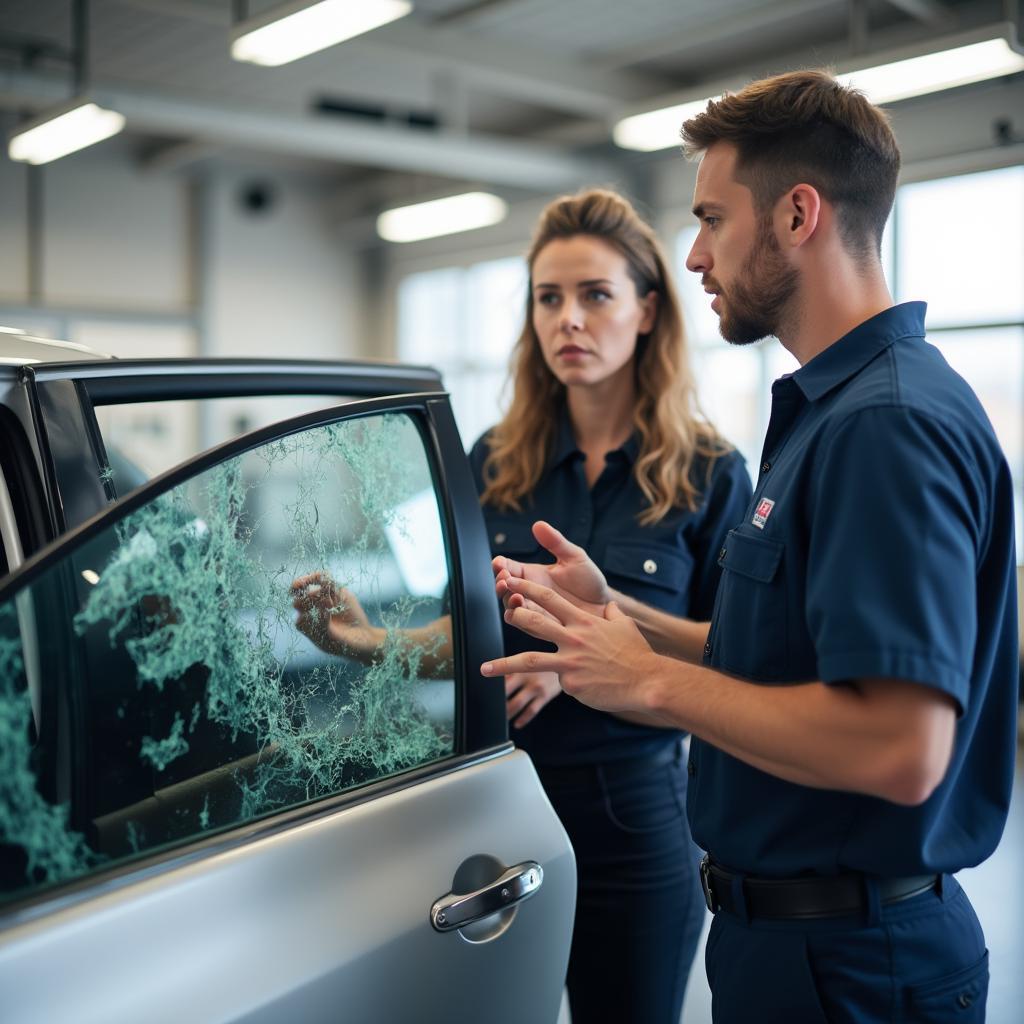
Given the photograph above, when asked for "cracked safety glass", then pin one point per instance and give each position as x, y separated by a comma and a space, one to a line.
271, 632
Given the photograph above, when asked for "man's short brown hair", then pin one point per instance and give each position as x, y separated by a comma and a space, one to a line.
804, 126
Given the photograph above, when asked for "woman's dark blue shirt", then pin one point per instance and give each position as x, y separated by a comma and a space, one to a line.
671, 565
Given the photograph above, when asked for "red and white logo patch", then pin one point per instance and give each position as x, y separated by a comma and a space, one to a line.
763, 511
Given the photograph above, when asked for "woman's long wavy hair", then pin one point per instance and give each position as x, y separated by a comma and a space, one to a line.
671, 427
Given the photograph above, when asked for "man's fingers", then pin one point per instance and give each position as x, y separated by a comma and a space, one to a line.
503, 564
528, 661
513, 601
537, 623
547, 600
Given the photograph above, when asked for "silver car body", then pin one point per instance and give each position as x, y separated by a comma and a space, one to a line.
325, 909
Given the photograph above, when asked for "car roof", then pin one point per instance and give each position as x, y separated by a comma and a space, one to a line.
112, 380
18, 348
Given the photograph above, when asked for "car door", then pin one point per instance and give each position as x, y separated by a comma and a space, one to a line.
206, 816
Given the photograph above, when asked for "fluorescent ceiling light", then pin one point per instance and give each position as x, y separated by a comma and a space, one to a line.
63, 131
296, 29
657, 129
441, 217
982, 55
934, 72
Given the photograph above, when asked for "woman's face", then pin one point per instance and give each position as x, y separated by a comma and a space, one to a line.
586, 312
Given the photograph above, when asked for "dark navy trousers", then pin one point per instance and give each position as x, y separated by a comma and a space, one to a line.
923, 960
640, 908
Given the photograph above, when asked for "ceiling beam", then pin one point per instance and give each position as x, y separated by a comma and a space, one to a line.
194, 10
173, 157
512, 68
464, 157
467, 11
708, 32
931, 12
516, 69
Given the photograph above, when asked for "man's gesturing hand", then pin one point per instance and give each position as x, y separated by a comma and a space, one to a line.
602, 660
572, 576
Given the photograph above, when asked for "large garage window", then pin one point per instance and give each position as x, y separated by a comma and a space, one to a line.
464, 321
953, 242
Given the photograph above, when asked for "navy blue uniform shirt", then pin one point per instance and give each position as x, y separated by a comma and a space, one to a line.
879, 542
671, 565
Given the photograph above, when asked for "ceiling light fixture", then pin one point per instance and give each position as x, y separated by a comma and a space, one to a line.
71, 126
63, 130
293, 30
933, 72
953, 61
446, 216
657, 129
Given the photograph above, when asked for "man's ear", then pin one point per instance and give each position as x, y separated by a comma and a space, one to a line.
798, 215
650, 317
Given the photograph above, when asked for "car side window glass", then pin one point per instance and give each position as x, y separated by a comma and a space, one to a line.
144, 439
271, 632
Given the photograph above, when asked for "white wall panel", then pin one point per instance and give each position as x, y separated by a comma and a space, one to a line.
13, 250
114, 236
281, 284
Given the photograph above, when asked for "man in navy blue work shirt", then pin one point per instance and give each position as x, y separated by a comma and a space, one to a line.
854, 715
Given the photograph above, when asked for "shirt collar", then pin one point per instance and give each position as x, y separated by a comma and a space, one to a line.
565, 446
854, 350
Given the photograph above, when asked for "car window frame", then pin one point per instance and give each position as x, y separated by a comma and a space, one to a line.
64, 396
480, 730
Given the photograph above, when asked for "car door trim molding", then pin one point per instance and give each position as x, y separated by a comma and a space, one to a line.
137, 380
105, 881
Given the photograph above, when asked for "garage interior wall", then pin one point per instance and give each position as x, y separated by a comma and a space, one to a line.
226, 262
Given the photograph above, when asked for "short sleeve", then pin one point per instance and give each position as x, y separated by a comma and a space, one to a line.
725, 503
891, 574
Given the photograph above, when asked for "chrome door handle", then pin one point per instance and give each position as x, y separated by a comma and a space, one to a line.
457, 910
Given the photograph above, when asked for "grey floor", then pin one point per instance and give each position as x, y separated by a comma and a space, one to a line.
996, 889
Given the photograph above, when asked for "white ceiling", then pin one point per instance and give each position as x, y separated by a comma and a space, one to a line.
524, 91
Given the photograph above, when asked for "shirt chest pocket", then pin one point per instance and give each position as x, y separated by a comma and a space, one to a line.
655, 573
515, 539
749, 633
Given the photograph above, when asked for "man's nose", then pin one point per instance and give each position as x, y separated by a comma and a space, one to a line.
698, 261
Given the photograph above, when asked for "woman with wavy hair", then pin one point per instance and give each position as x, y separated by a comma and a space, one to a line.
605, 444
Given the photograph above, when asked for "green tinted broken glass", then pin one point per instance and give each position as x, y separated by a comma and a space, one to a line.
198, 702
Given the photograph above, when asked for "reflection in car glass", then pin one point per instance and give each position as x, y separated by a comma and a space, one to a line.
172, 692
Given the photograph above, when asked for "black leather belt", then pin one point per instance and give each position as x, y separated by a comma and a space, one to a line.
817, 896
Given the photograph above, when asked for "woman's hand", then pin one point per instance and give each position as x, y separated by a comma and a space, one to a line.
573, 575
332, 617
526, 693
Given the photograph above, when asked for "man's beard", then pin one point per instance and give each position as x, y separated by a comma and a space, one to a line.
758, 298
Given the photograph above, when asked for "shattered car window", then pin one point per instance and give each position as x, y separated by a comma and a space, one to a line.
273, 631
